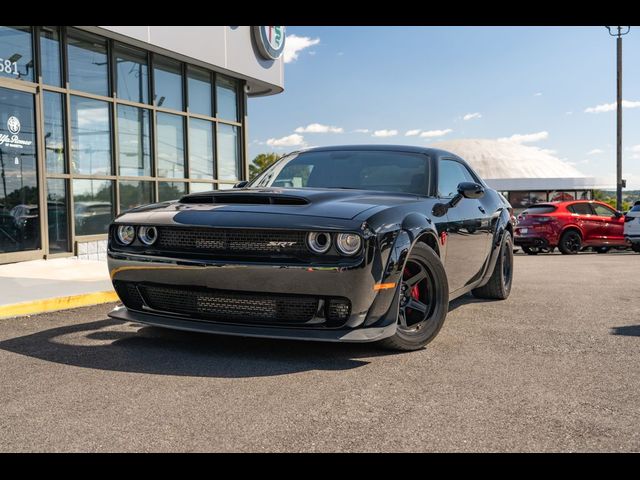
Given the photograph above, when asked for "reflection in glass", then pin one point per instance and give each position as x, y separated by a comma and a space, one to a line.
19, 216
50, 56
87, 57
225, 186
170, 139
57, 215
200, 149
200, 187
91, 136
226, 99
168, 191
134, 141
134, 193
93, 206
54, 132
132, 74
199, 88
16, 54
228, 158
167, 77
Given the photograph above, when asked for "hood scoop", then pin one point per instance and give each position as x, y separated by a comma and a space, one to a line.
243, 199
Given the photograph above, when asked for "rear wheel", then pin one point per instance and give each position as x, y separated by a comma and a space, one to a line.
424, 301
499, 285
570, 242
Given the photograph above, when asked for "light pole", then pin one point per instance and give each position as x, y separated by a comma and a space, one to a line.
620, 31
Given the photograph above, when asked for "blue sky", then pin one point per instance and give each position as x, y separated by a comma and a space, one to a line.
540, 83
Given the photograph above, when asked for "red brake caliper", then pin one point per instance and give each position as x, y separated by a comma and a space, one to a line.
415, 291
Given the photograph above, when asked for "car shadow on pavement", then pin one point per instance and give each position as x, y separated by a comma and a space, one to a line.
627, 331
128, 347
466, 300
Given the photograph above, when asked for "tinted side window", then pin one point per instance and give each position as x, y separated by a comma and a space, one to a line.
580, 209
602, 211
450, 174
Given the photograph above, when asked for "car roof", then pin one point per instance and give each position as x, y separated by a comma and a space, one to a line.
376, 147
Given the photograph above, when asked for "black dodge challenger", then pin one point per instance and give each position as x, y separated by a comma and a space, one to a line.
350, 243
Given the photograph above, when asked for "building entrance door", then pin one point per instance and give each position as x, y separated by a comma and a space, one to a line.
20, 212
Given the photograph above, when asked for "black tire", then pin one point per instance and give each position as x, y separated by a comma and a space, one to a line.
531, 250
635, 247
432, 294
570, 242
602, 249
499, 285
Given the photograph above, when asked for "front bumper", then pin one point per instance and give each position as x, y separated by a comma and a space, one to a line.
632, 239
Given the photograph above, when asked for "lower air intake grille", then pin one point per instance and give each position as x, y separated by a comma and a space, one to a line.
230, 306
129, 295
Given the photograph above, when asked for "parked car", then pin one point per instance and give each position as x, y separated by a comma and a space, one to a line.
632, 227
371, 246
571, 226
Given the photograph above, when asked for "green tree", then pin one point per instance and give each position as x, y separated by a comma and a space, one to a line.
260, 162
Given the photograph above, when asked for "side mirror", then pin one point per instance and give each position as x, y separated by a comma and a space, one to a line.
470, 190
617, 214
241, 184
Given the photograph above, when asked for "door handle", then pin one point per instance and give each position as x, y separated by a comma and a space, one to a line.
482, 209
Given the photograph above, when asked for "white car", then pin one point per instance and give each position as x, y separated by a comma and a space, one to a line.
632, 227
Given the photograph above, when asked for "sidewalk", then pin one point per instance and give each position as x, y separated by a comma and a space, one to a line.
39, 286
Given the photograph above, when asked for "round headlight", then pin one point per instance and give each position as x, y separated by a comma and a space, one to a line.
148, 235
348, 243
126, 234
319, 242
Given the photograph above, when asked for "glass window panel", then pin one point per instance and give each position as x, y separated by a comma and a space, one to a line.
226, 99
134, 193
537, 197
50, 68
450, 175
200, 187
91, 136
16, 53
132, 75
19, 216
88, 67
168, 191
93, 206
228, 153
134, 141
57, 217
167, 77
170, 139
54, 132
225, 186
199, 88
556, 196
200, 149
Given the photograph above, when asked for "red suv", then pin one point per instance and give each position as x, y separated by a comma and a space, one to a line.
570, 226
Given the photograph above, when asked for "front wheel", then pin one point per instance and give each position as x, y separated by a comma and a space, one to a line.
635, 247
499, 285
424, 301
570, 242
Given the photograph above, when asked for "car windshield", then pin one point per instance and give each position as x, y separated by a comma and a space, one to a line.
538, 209
389, 171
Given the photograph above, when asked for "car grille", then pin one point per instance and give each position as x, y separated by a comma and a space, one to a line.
231, 306
231, 241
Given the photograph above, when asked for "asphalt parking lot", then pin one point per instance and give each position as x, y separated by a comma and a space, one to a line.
556, 367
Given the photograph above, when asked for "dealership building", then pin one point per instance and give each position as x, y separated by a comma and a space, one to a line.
96, 120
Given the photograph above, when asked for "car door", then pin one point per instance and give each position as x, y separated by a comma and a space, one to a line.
610, 226
467, 227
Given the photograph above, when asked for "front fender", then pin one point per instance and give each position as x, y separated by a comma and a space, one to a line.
503, 223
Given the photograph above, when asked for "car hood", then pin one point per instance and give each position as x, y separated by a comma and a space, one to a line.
251, 204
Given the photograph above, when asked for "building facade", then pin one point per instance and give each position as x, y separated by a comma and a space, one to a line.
97, 120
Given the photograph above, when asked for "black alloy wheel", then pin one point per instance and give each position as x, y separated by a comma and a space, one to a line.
570, 242
416, 299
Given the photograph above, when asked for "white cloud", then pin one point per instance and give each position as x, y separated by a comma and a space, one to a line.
319, 128
525, 138
293, 140
609, 107
548, 151
435, 133
361, 130
294, 44
471, 116
412, 133
537, 94
595, 151
385, 133
635, 148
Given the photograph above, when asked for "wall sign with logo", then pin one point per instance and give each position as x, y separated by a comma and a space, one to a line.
270, 41
13, 140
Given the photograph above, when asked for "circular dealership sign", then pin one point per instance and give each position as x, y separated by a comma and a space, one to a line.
13, 124
270, 41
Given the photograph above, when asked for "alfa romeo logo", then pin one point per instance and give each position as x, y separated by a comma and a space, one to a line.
270, 41
13, 124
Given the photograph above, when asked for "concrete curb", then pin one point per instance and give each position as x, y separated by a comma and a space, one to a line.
59, 303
